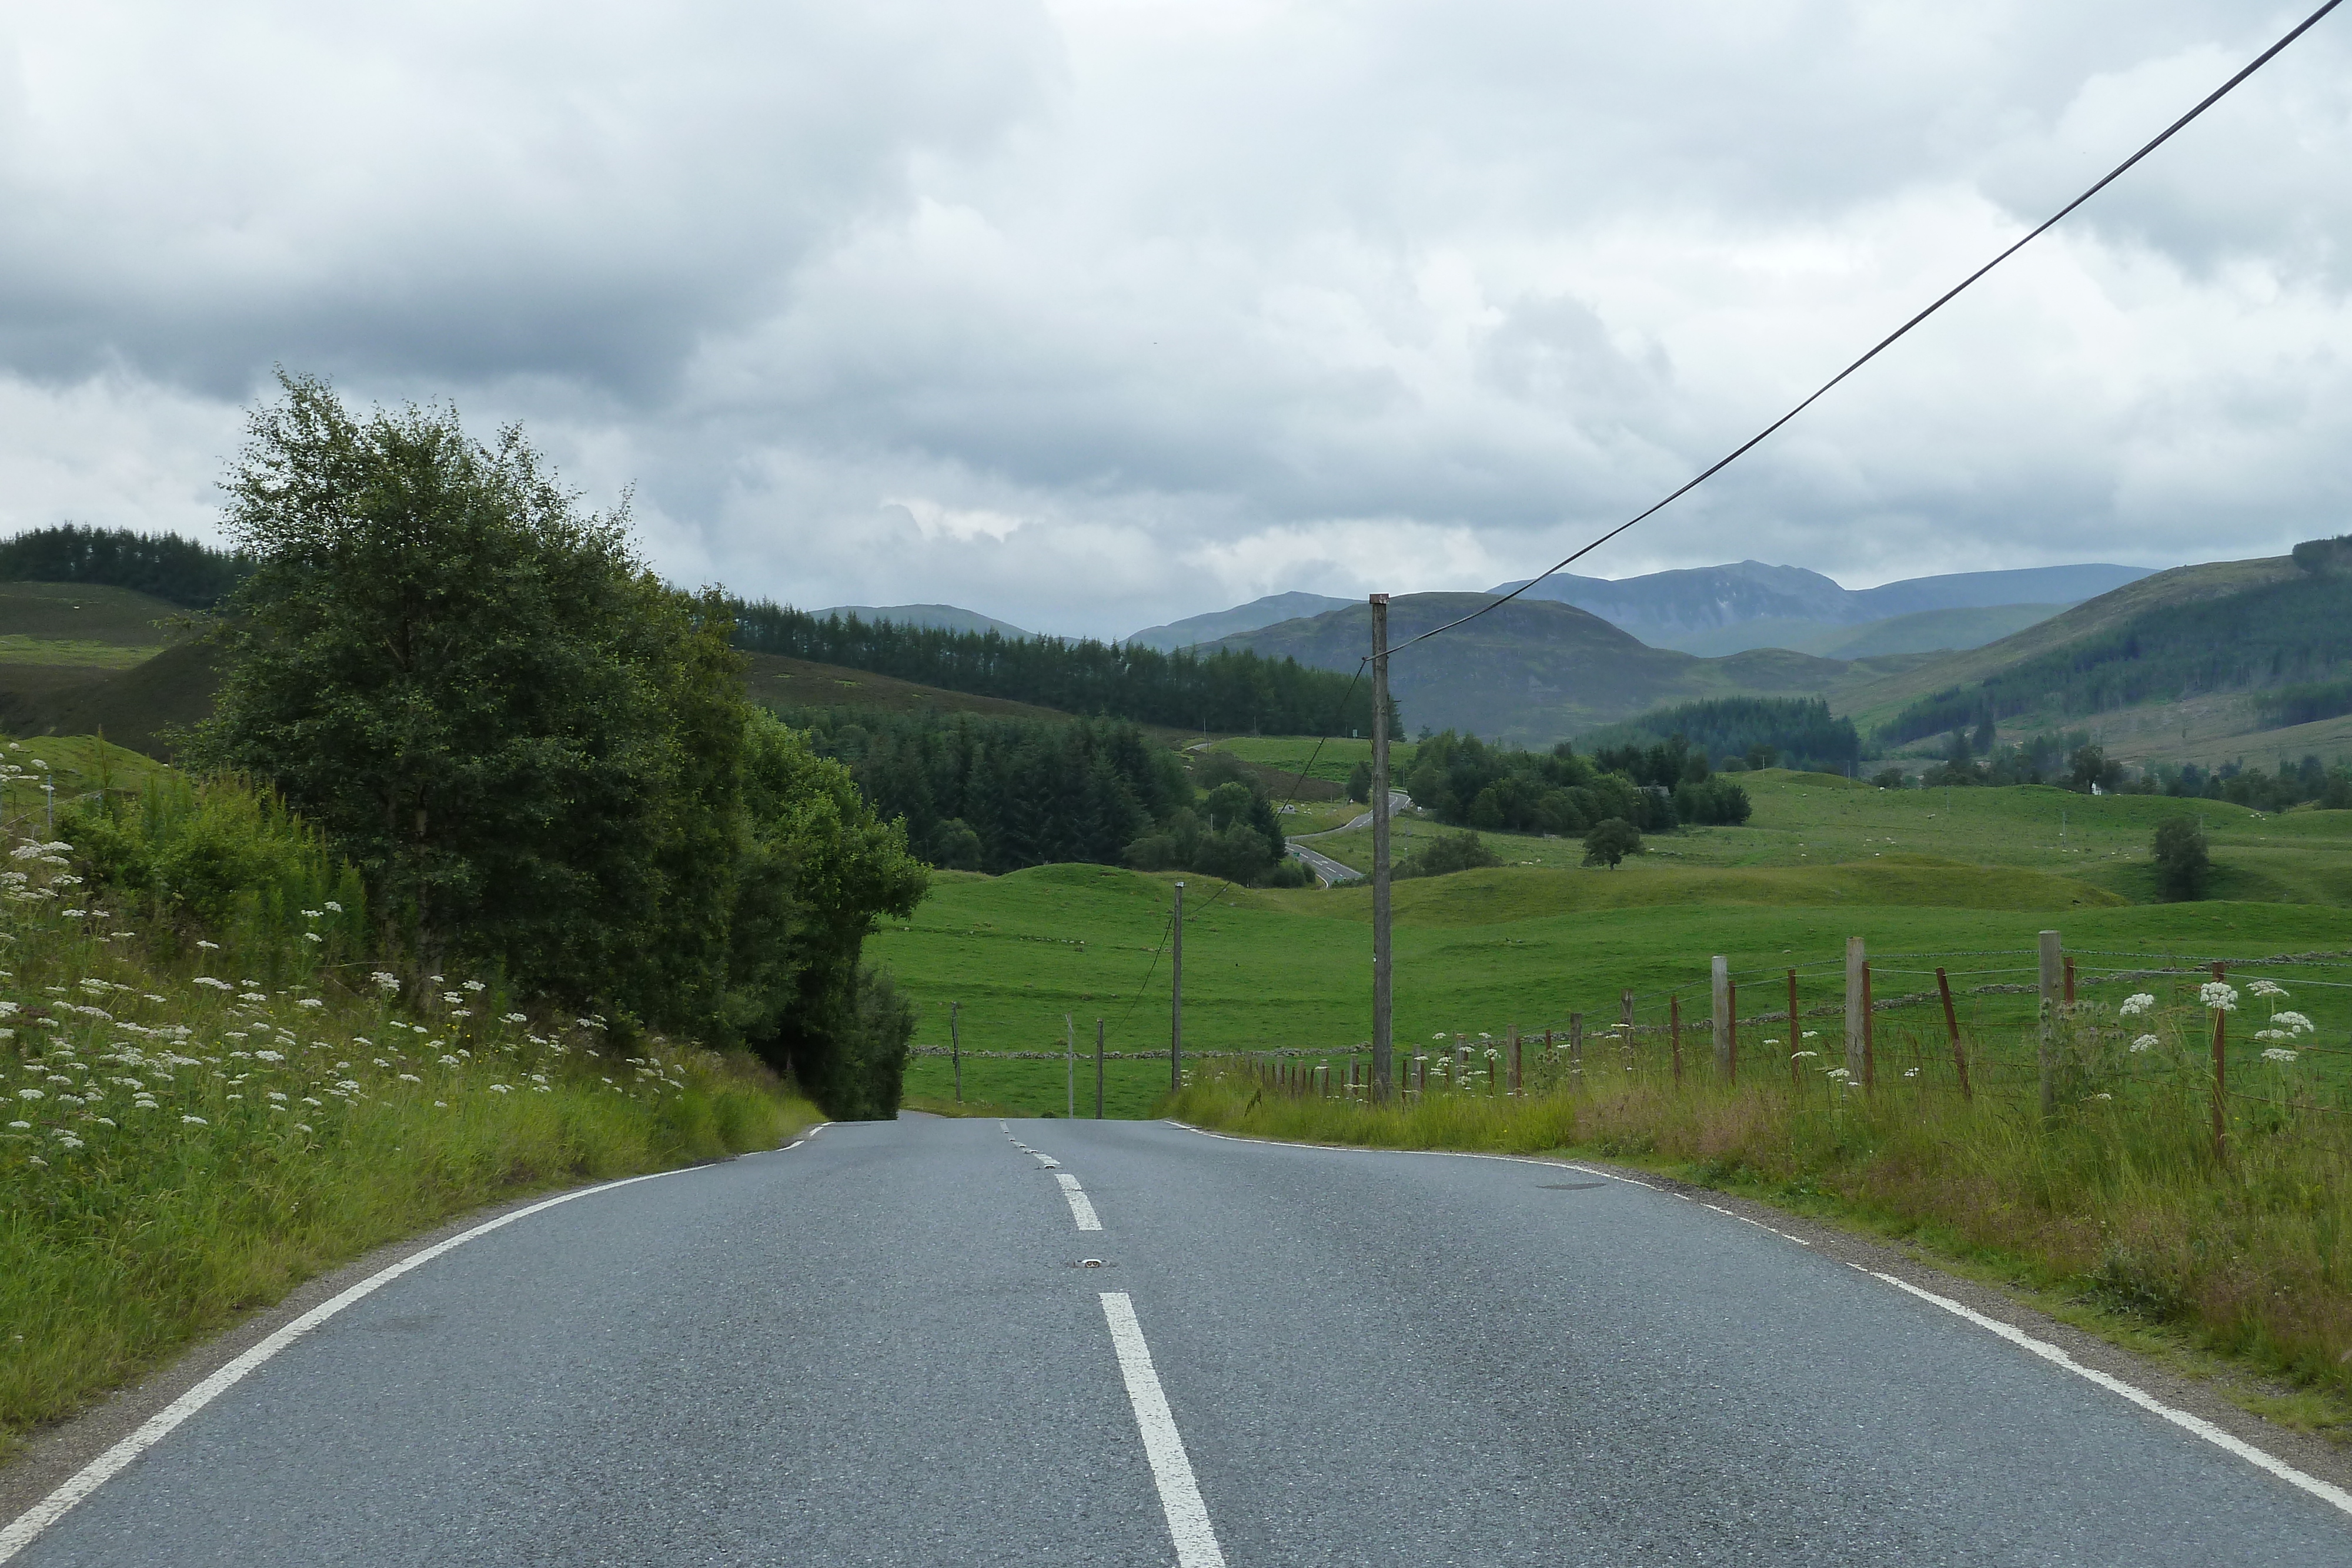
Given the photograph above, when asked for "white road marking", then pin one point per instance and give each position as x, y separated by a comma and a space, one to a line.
1163, 1446
21, 1531
2334, 1495
1082, 1209
1048, 1161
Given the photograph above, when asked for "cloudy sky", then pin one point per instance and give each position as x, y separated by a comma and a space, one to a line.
1094, 313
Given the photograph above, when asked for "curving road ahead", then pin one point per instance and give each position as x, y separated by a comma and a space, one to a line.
886, 1346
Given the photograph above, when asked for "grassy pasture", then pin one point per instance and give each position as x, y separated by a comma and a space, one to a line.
112, 622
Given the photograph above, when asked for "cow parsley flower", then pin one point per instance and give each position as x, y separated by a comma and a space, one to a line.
2218, 995
2294, 1022
194, 1122
2145, 1043
2279, 1054
2267, 989
2136, 1004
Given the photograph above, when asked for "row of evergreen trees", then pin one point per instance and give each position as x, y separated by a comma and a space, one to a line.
177, 570
999, 794
1236, 692
1462, 780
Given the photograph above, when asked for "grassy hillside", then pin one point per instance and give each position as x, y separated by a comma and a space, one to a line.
82, 615
1873, 702
778, 682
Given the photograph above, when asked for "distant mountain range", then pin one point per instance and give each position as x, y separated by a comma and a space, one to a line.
1720, 610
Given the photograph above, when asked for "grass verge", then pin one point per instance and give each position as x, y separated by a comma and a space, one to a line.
181, 1147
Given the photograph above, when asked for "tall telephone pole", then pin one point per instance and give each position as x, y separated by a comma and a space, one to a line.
1176, 996
1382, 1017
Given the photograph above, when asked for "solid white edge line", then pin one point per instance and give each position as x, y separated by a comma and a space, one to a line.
1163, 1446
20, 1531
1082, 1208
2336, 1496
2326, 1491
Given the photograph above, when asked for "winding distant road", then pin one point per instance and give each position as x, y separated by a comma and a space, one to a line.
1327, 869
888, 1345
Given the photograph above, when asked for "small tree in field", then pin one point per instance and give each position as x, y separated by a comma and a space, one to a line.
2183, 866
1611, 841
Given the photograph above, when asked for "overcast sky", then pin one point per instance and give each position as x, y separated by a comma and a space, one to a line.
1090, 315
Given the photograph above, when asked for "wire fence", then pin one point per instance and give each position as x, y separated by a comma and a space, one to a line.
2265, 1039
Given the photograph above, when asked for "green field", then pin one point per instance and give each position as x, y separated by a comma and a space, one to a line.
1327, 759
1524, 947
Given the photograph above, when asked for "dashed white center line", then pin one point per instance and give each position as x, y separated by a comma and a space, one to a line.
1172, 1471
1082, 1209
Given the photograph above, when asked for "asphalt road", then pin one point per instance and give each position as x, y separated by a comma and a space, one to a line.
884, 1347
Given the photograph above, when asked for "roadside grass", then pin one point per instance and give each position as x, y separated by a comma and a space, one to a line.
186, 1142
1332, 759
2116, 1214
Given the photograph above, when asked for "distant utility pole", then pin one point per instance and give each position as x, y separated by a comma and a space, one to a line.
955, 1049
1176, 996
1382, 1001
1070, 1065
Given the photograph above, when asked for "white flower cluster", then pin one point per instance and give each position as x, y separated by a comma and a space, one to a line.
2136, 1004
2218, 995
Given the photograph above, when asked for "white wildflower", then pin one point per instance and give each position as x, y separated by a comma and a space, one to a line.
512, 1018
2267, 989
472, 986
194, 1122
2136, 1004
2218, 995
2279, 1054
21, 1126
30, 1095
500, 1089
208, 946
2294, 1022
312, 937
2145, 1043
310, 1002
333, 908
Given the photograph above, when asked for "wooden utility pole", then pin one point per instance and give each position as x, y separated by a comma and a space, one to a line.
2053, 965
1070, 1065
955, 1049
1176, 996
1098, 1069
1382, 997
1857, 1008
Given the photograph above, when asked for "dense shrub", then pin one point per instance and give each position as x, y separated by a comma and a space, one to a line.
1444, 854
1611, 841
2182, 865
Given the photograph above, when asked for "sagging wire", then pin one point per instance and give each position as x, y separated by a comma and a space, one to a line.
2216, 96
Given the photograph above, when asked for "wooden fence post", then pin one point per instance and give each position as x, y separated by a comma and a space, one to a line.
2070, 979
955, 1047
2220, 1077
1576, 1044
1719, 997
1856, 1010
1518, 1081
2052, 964
1730, 1031
1674, 1034
1869, 1033
1796, 1035
1952, 1023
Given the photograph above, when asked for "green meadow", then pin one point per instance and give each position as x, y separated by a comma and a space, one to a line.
1965, 884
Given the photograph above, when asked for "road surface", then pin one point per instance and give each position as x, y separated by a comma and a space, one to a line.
1323, 865
887, 1345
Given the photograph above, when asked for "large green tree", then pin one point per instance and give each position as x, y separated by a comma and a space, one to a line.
538, 753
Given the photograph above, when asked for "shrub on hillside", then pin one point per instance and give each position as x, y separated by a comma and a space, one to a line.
1611, 841
2182, 865
1444, 854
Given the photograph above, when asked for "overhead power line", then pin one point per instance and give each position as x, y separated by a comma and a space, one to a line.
2216, 96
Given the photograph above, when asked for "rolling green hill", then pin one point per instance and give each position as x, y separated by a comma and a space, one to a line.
1535, 671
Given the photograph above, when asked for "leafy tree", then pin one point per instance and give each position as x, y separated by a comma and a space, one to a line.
1890, 778
1760, 756
2182, 865
1360, 783
1611, 841
537, 755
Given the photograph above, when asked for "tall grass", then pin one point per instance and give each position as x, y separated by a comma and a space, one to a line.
2117, 1201
195, 1126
